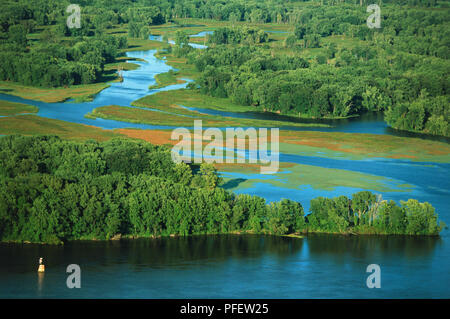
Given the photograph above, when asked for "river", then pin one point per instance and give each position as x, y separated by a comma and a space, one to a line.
319, 266
242, 266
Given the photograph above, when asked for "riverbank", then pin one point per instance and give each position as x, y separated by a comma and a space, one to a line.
174, 116
10, 108
302, 235
35, 125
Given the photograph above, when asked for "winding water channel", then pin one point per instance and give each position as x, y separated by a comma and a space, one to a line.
244, 266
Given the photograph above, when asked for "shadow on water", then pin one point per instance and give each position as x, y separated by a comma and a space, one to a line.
233, 183
371, 123
409, 247
181, 251
365, 118
391, 131
146, 252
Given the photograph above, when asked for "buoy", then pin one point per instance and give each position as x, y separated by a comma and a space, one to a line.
41, 266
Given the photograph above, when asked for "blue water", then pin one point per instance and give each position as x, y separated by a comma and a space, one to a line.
230, 266
293, 268
201, 34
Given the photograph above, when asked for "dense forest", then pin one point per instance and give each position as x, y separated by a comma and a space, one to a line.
55, 60
54, 190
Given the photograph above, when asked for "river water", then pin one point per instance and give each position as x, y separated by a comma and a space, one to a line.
243, 266
230, 266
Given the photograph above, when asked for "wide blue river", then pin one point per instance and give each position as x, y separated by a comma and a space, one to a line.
243, 266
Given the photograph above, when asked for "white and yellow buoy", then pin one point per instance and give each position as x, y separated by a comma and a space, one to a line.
41, 265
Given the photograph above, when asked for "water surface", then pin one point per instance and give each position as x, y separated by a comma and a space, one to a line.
230, 266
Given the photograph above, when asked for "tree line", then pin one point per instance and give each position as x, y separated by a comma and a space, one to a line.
54, 190
56, 65
53, 60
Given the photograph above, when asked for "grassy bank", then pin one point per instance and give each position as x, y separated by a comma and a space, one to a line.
52, 95
10, 108
36, 125
184, 70
166, 79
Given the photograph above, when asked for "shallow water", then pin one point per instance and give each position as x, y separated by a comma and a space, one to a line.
254, 266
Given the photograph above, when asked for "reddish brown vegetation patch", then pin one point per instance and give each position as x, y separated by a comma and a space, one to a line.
158, 137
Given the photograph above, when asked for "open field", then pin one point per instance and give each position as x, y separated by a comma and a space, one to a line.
36, 125
10, 108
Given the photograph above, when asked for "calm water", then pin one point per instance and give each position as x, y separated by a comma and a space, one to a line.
246, 266
230, 266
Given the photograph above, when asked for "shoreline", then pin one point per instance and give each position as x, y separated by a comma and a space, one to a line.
301, 235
